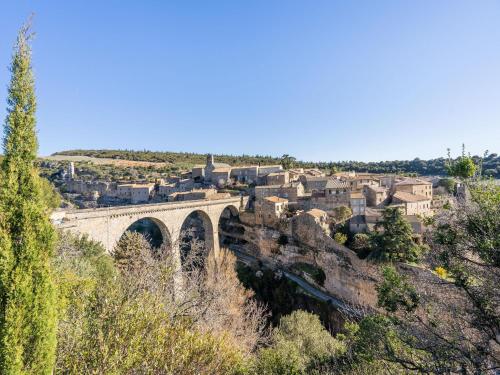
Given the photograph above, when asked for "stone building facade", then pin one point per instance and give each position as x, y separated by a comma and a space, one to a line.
415, 186
269, 210
413, 204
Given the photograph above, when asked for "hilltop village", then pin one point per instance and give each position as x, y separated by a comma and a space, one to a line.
349, 198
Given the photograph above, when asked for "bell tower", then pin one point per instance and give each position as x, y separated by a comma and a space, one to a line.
210, 159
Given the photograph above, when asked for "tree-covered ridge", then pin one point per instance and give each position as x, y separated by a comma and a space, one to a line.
491, 163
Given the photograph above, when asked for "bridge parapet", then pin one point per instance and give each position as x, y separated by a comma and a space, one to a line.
108, 224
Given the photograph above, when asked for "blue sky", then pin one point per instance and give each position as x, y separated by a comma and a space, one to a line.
320, 80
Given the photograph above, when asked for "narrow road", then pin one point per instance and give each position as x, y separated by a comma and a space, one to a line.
311, 289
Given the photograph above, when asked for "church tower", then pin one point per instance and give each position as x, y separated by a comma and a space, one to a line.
210, 159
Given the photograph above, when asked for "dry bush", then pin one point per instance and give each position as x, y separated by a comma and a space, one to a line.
203, 290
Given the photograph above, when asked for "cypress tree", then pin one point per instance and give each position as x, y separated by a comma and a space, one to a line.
27, 292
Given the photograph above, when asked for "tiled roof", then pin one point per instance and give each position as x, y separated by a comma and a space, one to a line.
377, 189
413, 181
221, 170
274, 199
316, 212
245, 167
315, 178
408, 197
336, 184
221, 165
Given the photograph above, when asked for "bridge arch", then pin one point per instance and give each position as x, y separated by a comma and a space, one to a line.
155, 231
230, 230
197, 225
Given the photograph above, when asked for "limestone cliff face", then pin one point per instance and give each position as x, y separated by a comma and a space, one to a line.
302, 240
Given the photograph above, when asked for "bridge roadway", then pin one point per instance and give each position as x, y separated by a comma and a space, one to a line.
107, 225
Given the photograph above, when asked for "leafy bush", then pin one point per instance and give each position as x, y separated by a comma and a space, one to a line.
396, 292
340, 238
299, 345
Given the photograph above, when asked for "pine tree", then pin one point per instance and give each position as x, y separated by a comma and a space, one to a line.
27, 294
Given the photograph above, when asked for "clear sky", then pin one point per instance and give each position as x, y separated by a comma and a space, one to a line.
320, 80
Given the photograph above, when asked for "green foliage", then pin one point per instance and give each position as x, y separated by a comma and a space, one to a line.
361, 242
128, 252
372, 344
340, 238
342, 213
27, 293
299, 345
395, 241
395, 292
463, 167
287, 161
448, 183
284, 359
50, 195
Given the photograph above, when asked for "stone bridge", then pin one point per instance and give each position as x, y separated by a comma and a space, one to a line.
107, 225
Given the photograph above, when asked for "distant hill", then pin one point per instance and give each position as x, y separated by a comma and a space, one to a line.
491, 165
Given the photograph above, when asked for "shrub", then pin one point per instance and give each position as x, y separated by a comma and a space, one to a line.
299, 345
340, 238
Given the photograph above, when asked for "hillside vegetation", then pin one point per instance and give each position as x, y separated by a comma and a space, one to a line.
491, 164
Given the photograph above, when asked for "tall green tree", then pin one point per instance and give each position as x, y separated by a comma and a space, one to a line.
395, 241
27, 292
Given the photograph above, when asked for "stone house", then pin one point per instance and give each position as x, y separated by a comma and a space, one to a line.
135, 193
314, 172
248, 175
357, 203
264, 170
278, 178
295, 173
86, 187
290, 191
165, 190
337, 188
198, 173
314, 184
216, 172
415, 186
334, 193
413, 204
376, 196
269, 210
141, 193
220, 176
360, 181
